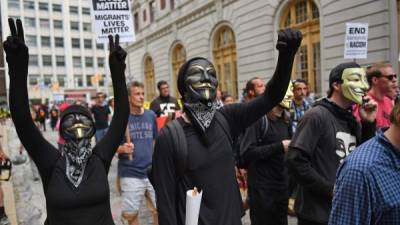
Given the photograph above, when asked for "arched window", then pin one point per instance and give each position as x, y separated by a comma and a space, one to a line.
178, 58
149, 83
304, 16
224, 52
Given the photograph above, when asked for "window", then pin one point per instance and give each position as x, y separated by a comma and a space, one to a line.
85, 11
136, 22
43, 6
99, 46
144, 15
224, 52
178, 58
47, 60
76, 61
100, 62
76, 43
58, 24
304, 16
13, 4
29, 5
45, 40
30, 22
57, 8
44, 23
172, 3
75, 26
73, 10
33, 60
88, 81
88, 61
149, 77
87, 27
60, 60
31, 40
61, 80
101, 81
59, 42
87, 43
33, 79
152, 10
47, 80
162, 4
78, 81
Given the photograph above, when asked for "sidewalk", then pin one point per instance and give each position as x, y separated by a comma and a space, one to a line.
8, 188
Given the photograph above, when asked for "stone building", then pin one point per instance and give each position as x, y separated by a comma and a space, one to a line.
239, 36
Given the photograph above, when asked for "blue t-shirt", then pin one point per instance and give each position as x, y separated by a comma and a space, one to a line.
143, 130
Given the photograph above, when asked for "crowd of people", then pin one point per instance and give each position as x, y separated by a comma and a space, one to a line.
276, 151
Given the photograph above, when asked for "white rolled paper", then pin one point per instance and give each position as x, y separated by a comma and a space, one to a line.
193, 202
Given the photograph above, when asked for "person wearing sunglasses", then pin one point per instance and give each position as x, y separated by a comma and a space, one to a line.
383, 83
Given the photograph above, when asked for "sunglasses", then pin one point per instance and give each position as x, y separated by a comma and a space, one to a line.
390, 77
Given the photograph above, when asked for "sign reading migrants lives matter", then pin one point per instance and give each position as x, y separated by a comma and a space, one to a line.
356, 41
113, 17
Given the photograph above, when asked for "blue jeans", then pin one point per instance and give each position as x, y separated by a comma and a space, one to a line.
100, 134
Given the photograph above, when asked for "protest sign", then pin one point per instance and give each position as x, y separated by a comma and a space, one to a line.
113, 17
356, 41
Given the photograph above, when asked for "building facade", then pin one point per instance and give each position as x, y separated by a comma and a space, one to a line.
64, 59
239, 37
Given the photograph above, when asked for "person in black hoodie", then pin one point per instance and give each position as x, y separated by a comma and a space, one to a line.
164, 104
209, 132
74, 181
326, 134
267, 176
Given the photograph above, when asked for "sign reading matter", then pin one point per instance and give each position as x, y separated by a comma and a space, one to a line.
356, 41
113, 17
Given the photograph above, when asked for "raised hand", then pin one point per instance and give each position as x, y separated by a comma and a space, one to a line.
17, 55
289, 40
117, 56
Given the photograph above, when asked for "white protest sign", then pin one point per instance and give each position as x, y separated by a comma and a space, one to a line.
113, 17
356, 41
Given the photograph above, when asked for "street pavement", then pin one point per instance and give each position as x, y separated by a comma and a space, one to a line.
30, 201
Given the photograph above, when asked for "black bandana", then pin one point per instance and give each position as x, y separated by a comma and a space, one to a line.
77, 154
201, 114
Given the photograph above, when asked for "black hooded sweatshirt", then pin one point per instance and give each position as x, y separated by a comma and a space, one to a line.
325, 135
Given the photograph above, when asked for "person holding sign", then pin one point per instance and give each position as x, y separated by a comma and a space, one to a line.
206, 160
135, 156
75, 180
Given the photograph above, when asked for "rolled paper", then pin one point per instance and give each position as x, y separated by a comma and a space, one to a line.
193, 202
128, 140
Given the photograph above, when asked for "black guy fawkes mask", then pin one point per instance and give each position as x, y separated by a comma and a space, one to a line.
76, 126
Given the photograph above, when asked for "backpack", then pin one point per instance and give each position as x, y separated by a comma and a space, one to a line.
175, 132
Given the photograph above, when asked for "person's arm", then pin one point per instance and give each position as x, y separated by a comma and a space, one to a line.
107, 147
42, 152
301, 151
164, 178
353, 200
255, 152
243, 115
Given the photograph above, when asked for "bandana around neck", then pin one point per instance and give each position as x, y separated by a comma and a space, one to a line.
201, 114
77, 155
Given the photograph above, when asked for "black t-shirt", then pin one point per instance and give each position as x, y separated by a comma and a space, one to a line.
321, 141
164, 105
100, 116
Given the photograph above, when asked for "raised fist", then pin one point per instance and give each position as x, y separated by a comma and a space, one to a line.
289, 40
17, 55
117, 55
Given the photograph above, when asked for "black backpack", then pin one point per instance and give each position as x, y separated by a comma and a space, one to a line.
175, 132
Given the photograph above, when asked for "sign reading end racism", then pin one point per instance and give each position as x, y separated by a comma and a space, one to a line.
113, 17
356, 41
